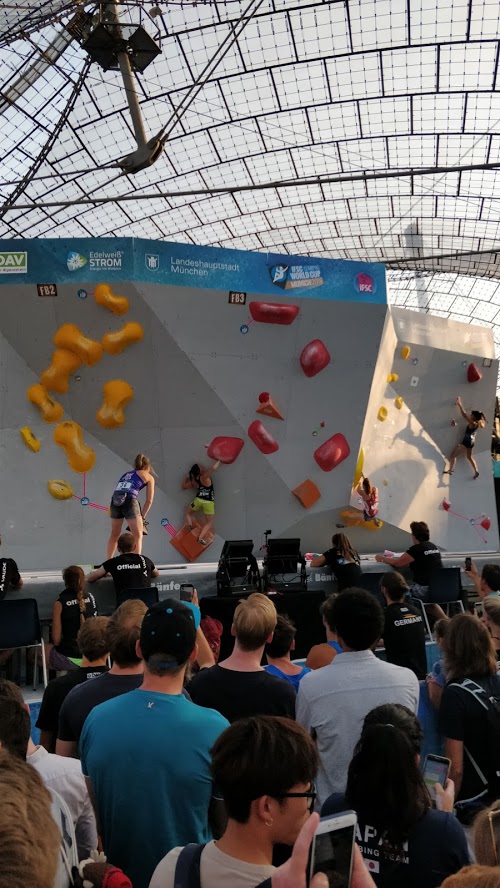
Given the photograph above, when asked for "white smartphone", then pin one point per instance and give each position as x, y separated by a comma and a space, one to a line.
436, 770
332, 849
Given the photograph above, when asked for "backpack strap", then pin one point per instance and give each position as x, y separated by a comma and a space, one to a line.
481, 696
187, 868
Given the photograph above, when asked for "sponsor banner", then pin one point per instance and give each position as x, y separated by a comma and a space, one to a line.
87, 261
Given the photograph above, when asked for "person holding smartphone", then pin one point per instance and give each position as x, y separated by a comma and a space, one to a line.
406, 841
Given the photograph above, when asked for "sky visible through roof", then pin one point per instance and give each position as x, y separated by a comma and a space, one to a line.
366, 130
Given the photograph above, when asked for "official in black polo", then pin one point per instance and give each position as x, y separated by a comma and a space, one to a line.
404, 631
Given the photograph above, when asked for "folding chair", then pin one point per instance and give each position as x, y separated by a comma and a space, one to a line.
445, 588
20, 628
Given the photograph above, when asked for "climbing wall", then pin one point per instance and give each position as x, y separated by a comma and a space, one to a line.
413, 423
275, 365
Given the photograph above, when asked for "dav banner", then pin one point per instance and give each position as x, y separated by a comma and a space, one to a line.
108, 260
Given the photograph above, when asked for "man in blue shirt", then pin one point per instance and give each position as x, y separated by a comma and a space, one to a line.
146, 754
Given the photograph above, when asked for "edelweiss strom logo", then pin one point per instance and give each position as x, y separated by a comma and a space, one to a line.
75, 261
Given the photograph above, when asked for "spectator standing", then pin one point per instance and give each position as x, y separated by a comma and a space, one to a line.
10, 578
146, 754
29, 838
471, 742
333, 701
62, 775
128, 569
343, 561
240, 686
423, 558
436, 679
486, 583
323, 654
491, 619
404, 632
278, 653
92, 642
264, 767
122, 634
69, 613
403, 839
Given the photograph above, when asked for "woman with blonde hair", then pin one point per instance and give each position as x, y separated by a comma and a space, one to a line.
491, 619
125, 504
486, 835
70, 610
474, 877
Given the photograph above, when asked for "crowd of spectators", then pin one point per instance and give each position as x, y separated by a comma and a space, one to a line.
189, 772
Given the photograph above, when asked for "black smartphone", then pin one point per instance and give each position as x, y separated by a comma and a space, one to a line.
187, 592
436, 770
333, 848
468, 563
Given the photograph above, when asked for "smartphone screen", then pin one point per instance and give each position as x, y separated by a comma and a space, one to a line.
468, 563
435, 771
187, 592
332, 855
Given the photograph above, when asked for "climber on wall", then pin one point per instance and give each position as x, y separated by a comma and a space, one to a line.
200, 479
475, 420
369, 494
125, 503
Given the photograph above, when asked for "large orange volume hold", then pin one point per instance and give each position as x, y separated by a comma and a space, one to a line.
70, 337
115, 343
117, 393
103, 295
50, 410
63, 364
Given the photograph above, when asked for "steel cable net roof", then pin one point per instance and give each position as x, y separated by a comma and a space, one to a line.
365, 130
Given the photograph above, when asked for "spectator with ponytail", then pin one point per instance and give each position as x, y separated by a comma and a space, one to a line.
404, 840
69, 612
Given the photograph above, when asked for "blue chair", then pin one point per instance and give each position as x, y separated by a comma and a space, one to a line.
20, 628
445, 588
147, 594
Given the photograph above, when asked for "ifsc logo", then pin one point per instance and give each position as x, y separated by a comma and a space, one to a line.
14, 262
294, 277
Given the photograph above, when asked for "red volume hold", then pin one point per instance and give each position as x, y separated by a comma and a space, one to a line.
473, 373
225, 449
332, 452
262, 438
314, 358
273, 312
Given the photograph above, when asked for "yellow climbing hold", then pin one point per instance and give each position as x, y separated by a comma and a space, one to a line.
69, 436
30, 439
117, 394
392, 377
63, 364
358, 471
50, 410
103, 295
355, 518
405, 352
398, 402
70, 337
382, 414
115, 343
61, 490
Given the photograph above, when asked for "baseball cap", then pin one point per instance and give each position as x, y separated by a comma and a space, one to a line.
168, 628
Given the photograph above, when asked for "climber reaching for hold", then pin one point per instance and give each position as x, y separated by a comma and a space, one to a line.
369, 494
200, 479
475, 420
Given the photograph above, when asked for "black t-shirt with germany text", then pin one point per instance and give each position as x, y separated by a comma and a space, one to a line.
404, 637
426, 559
130, 571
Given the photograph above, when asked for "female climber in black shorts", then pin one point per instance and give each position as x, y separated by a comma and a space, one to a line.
476, 420
125, 504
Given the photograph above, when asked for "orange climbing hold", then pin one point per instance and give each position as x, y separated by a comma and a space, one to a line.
186, 542
69, 436
117, 394
398, 403
267, 407
63, 364
50, 410
392, 377
355, 518
405, 352
382, 414
115, 343
70, 337
307, 493
103, 295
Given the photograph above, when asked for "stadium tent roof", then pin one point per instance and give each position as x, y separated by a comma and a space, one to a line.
367, 130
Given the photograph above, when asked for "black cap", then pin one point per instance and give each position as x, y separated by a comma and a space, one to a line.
168, 628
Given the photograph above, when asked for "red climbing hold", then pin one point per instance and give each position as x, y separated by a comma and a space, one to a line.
314, 358
332, 452
473, 373
225, 449
446, 505
273, 312
263, 397
262, 438
486, 523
